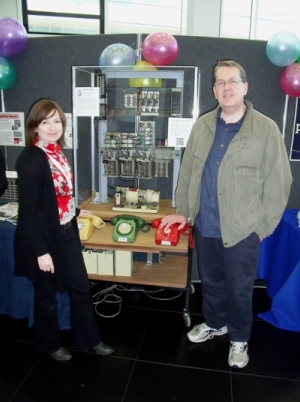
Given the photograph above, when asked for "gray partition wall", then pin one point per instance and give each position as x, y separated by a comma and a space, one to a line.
44, 69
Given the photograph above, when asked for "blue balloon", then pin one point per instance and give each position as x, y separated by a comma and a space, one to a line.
117, 55
7, 73
283, 48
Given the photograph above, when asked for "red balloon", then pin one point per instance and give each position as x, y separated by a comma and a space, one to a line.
290, 80
160, 48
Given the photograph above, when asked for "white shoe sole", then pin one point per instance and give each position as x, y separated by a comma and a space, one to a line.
240, 365
209, 336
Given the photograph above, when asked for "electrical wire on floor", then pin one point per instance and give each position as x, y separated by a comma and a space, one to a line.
149, 292
108, 296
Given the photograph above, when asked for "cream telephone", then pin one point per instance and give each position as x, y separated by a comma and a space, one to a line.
87, 224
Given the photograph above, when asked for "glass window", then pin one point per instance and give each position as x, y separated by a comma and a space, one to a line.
83, 17
235, 19
276, 16
63, 25
65, 6
87, 16
131, 16
259, 19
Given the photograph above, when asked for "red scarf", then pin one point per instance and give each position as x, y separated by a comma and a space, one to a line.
62, 179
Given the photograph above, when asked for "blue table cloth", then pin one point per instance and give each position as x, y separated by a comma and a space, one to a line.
279, 266
16, 293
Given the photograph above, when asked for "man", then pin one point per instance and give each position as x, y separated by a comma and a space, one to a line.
3, 179
233, 186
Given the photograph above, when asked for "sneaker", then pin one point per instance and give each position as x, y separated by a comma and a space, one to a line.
201, 333
62, 355
103, 349
238, 354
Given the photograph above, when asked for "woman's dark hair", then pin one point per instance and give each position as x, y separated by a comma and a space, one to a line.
39, 111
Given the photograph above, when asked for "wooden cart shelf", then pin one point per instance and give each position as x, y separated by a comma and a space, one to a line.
173, 269
170, 273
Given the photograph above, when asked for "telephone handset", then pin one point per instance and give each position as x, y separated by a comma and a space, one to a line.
170, 236
87, 224
127, 226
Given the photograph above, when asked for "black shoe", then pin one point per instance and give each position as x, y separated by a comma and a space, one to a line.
62, 355
103, 349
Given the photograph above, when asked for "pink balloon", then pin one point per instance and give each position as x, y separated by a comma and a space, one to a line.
160, 48
290, 80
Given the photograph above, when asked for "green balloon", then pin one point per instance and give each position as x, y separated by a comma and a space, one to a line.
7, 73
298, 60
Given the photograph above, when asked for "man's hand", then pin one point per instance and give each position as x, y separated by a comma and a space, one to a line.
169, 220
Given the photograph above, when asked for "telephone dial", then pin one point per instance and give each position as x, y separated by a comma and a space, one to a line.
170, 236
127, 226
87, 224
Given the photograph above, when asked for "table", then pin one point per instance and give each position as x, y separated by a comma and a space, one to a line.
16, 293
279, 266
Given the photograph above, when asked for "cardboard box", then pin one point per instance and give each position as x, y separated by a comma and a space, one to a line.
90, 260
123, 263
105, 262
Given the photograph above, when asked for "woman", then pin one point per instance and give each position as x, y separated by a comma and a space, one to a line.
47, 245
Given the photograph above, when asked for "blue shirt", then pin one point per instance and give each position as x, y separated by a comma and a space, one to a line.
208, 219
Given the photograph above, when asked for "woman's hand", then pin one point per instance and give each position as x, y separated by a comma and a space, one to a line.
45, 263
169, 220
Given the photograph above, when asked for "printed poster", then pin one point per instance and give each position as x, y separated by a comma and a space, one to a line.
12, 130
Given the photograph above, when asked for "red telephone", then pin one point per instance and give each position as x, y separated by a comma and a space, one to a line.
167, 237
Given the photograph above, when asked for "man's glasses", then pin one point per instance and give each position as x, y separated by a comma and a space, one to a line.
232, 82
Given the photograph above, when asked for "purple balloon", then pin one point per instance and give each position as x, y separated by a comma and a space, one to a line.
13, 37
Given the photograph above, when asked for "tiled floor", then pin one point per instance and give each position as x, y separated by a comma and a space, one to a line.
153, 359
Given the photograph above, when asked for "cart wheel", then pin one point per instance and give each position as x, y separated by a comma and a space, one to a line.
192, 289
187, 319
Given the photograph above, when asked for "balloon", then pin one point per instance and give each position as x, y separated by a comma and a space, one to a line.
160, 48
283, 48
117, 55
7, 73
13, 37
145, 82
298, 60
290, 80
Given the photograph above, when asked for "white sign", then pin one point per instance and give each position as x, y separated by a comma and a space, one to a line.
86, 101
12, 128
179, 130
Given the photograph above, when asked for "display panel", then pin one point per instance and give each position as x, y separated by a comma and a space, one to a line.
130, 131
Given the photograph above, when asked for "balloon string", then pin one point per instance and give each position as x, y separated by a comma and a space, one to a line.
284, 116
2, 101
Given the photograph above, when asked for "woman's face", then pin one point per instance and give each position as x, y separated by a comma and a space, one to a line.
50, 129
